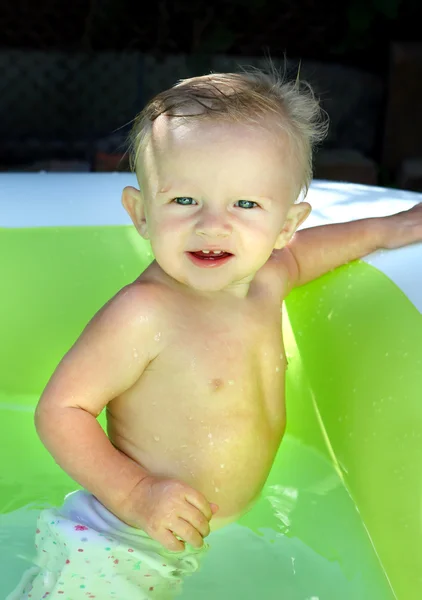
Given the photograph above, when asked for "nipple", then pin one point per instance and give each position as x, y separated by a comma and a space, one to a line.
216, 384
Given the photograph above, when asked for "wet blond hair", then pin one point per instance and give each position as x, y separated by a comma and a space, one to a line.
246, 97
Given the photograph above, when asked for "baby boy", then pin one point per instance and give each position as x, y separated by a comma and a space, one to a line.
188, 359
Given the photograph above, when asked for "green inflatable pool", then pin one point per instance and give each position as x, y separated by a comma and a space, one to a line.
340, 517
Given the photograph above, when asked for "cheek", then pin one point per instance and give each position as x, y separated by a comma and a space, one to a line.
166, 229
262, 228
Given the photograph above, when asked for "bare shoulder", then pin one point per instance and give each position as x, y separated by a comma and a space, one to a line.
127, 323
136, 303
110, 354
281, 271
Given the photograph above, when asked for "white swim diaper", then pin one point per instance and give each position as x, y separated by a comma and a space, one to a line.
84, 551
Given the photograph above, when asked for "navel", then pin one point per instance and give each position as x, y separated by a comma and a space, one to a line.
216, 383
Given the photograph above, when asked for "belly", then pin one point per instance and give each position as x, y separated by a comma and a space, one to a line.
227, 458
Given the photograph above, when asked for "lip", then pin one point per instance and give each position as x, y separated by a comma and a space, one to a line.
211, 249
208, 264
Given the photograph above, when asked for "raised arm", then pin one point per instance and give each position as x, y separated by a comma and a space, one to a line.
320, 249
314, 251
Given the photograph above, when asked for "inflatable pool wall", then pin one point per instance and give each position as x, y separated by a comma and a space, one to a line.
354, 381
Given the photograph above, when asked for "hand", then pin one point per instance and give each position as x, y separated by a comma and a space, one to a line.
166, 508
403, 228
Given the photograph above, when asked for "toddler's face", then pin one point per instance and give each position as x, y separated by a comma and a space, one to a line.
216, 186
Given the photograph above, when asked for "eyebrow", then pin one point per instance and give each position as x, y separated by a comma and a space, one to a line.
165, 189
239, 197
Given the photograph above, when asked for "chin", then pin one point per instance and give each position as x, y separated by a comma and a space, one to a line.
206, 283
205, 286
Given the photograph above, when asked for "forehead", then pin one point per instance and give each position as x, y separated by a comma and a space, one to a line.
196, 146
170, 134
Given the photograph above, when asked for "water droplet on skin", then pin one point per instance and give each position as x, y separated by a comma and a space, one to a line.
231, 382
156, 438
157, 336
135, 353
277, 369
222, 466
210, 435
217, 489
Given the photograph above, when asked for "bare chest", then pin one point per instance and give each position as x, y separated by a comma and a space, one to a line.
214, 367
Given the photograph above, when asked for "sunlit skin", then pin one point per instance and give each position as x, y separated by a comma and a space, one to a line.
227, 185
189, 361
209, 409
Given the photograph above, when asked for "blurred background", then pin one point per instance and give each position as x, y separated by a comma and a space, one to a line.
75, 74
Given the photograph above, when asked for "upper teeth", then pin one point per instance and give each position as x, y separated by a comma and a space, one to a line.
213, 251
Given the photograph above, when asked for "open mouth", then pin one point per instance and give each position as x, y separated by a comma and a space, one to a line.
209, 258
211, 254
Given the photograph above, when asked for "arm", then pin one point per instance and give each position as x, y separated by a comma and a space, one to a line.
99, 367
317, 250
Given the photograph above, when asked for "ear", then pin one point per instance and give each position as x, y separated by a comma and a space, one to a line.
297, 214
133, 202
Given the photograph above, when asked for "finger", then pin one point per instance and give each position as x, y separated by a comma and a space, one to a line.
188, 533
195, 518
169, 541
200, 502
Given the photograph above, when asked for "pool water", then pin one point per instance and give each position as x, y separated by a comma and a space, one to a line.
303, 540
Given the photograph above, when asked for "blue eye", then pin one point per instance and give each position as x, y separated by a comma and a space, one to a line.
248, 202
183, 200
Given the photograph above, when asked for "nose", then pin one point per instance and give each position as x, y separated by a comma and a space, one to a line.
213, 223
